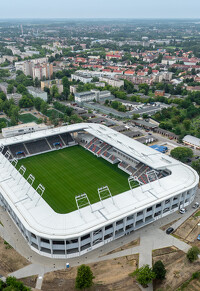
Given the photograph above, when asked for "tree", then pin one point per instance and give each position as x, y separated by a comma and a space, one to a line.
10, 89
196, 166
144, 87
135, 116
144, 275
14, 284
21, 89
37, 103
44, 107
193, 253
181, 153
159, 270
26, 102
37, 82
145, 115
54, 90
186, 124
84, 277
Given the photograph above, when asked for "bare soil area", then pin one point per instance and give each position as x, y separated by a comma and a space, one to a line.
29, 281
109, 275
189, 230
194, 285
178, 268
10, 260
124, 247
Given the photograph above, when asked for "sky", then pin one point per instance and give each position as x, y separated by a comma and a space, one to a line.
99, 8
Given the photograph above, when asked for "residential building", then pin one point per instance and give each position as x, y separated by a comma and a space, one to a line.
36, 92
112, 81
3, 87
15, 96
159, 93
91, 95
41, 71
49, 84
82, 78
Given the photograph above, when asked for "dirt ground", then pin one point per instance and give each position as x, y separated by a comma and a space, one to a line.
178, 268
194, 285
29, 281
189, 231
109, 275
124, 247
10, 260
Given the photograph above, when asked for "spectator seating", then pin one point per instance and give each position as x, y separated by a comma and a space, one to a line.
37, 146
54, 139
18, 148
67, 138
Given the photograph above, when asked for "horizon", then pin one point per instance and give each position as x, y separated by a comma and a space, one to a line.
21, 9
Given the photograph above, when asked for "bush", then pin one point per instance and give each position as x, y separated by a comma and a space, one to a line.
84, 277
144, 275
193, 253
159, 270
196, 275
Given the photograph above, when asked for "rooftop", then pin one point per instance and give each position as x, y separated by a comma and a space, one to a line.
36, 214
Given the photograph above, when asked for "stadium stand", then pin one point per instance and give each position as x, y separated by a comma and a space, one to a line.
37, 146
5, 150
18, 150
53, 140
67, 138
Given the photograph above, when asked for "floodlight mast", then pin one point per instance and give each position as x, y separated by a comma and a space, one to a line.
1, 148
134, 179
22, 171
82, 197
41, 188
103, 197
152, 176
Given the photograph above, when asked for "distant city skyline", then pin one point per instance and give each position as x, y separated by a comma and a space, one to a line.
100, 9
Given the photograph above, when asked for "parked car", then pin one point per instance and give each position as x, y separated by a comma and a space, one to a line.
182, 210
196, 205
169, 230
198, 237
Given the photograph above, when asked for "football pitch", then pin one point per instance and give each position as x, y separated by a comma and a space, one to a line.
73, 171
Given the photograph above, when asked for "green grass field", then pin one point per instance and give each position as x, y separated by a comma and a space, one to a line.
72, 171
27, 117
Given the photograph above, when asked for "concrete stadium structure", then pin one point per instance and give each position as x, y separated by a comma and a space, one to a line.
73, 234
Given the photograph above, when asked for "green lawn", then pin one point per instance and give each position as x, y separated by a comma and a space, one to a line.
72, 171
27, 117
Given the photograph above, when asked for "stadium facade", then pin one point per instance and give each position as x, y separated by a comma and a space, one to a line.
166, 185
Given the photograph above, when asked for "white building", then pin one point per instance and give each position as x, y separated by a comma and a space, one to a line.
37, 92
82, 78
15, 96
91, 95
22, 129
111, 81
192, 141
76, 233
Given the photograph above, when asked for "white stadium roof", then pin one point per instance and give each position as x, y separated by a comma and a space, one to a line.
37, 215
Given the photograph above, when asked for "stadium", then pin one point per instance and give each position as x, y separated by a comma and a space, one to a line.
75, 188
